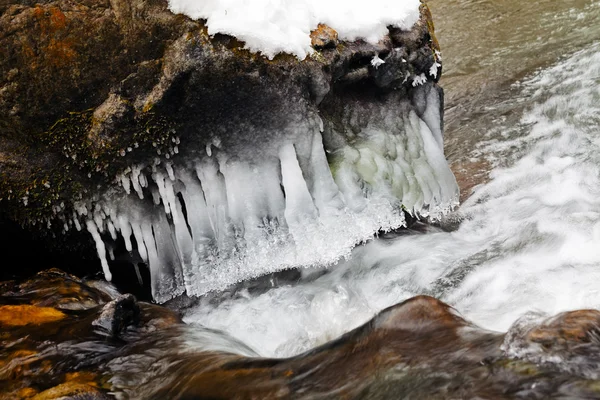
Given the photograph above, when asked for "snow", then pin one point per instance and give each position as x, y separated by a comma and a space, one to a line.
419, 80
284, 26
376, 61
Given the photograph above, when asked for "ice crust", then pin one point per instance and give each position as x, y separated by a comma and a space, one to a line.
276, 26
224, 215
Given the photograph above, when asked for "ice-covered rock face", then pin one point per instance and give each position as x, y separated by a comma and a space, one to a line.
210, 163
265, 193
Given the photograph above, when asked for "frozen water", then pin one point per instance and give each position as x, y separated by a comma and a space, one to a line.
216, 218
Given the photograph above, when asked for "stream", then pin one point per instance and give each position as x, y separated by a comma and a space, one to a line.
525, 240
522, 136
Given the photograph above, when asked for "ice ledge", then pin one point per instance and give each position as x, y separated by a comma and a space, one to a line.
304, 197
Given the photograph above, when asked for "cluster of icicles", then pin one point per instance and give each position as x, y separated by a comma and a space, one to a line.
216, 219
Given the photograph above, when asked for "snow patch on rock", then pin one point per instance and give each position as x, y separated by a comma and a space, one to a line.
283, 26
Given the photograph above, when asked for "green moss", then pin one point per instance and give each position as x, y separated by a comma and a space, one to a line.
519, 367
48, 192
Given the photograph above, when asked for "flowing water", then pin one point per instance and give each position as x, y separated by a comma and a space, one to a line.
522, 82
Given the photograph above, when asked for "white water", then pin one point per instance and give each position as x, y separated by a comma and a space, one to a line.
529, 239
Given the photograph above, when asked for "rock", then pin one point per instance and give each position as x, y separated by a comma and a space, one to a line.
55, 288
28, 315
324, 37
118, 314
90, 89
58, 350
567, 342
420, 348
71, 391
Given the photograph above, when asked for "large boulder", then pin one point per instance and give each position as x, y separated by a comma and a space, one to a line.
89, 87
127, 121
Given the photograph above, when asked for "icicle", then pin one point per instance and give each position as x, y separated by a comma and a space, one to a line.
197, 209
135, 182
159, 179
432, 116
298, 202
154, 262
165, 267
125, 182
111, 229
91, 227
253, 195
142, 179
347, 179
76, 222
99, 220
125, 229
213, 186
327, 196
142, 246
183, 242
171, 200
170, 171
155, 196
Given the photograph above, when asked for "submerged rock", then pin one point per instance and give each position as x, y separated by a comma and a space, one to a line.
55, 288
118, 314
420, 348
57, 332
22, 315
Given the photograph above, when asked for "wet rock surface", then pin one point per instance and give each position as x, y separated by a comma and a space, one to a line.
95, 92
57, 331
89, 88
113, 345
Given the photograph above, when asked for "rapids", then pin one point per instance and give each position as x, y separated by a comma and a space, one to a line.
526, 240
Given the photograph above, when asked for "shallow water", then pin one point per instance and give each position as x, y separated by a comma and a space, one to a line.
527, 239
487, 46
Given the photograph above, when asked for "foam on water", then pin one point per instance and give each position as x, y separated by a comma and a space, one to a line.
529, 239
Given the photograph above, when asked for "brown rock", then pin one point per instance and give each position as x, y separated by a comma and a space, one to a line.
71, 390
28, 315
323, 37
575, 327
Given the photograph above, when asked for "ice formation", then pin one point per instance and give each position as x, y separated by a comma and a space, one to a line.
275, 26
302, 196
